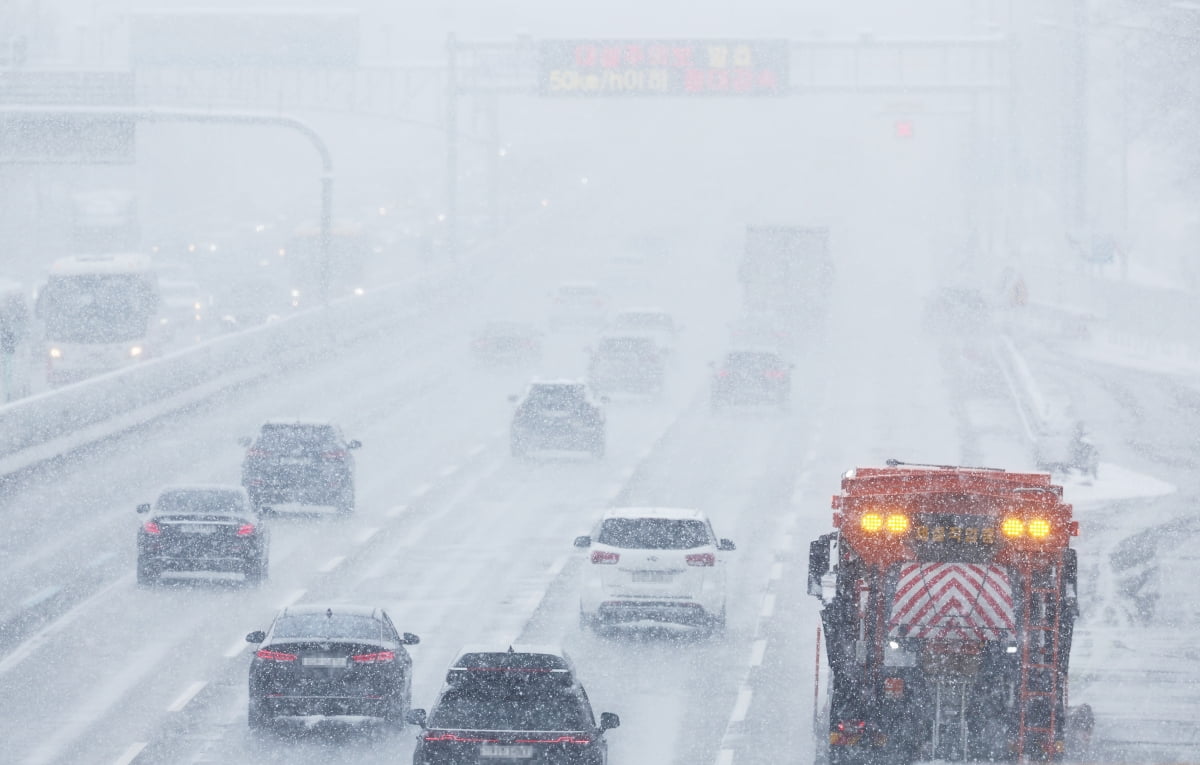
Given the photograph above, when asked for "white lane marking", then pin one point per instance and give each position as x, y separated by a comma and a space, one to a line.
237, 648
178, 704
776, 571
421, 490
476, 449
23, 651
768, 606
556, 567
448, 471
757, 652
292, 598
725, 757
397, 511
366, 535
41, 596
131, 753
331, 564
742, 707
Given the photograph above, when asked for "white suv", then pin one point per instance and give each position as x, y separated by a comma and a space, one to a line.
653, 563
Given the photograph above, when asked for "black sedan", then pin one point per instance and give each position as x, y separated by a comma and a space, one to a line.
516, 711
557, 415
330, 660
202, 528
304, 462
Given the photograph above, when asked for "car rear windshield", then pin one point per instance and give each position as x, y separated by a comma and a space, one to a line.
206, 502
556, 396
498, 707
654, 533
627, 345
284, 437
322, 626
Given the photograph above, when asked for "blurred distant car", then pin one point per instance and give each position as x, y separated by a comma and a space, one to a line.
558, 415
752, 377
507, 342
246, 304
330, 660
511, 704
183, 307
202, 528
655, 322
957, 310
309, 463
1063, 449
624, 363
655, 564
578, 304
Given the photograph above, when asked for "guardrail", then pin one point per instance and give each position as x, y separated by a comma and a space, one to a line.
38, 427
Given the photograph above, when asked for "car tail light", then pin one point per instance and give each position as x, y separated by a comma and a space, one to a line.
381, 657
852, 725
463, 739
246, 529
267, 654
334, 455
605, 558
723, 373
257, 453
701, 559
774, 374
150, 527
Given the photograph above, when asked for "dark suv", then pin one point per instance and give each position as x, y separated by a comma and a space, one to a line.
752, 377
557, 415
308, 463
330, 660
520, 705
202, 528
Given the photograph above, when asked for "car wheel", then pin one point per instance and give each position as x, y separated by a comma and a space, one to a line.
258, 718
147, 573
345, 503
256, 570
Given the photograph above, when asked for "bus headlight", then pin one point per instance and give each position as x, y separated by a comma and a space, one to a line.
56, 353
135, 351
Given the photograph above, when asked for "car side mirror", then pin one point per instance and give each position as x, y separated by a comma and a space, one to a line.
144, 507
355, 444
726, 545
415, 717
409, 638
609, 720
256, 637
584, 541
245, 441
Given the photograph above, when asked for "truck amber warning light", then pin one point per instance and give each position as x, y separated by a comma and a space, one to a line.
663, 67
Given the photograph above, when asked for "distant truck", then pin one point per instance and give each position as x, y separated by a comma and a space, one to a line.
787, 272
949, 598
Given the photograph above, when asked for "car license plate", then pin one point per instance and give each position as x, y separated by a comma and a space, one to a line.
652, 577
325, 661
511, 751
195, 528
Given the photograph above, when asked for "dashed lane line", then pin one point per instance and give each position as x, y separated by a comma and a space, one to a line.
237, 648
178, 704
448, 471
742, 707
776, 571
397, 511
421, 490
131, 752
757, 651
41, 596
331, 564
725, 757
366, 535
768, 605
476, 450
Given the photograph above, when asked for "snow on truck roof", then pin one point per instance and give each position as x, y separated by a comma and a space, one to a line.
117, 263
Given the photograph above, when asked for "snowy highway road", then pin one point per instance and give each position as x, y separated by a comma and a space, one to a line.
464, 544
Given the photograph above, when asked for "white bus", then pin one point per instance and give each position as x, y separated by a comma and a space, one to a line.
98, 314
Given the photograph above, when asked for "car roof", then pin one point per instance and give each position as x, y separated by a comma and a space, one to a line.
514, 661
231, 488
673, 513
277, 421
538, 383
757, 350
339, 609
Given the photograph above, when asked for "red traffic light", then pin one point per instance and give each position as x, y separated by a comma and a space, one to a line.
904, 129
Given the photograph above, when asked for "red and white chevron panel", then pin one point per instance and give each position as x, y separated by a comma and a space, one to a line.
952, 601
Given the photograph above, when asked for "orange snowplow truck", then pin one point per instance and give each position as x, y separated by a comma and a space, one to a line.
949, 598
